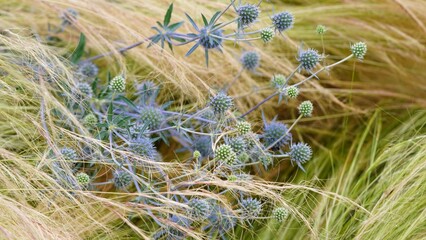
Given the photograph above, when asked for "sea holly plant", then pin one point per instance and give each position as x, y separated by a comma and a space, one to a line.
208, 186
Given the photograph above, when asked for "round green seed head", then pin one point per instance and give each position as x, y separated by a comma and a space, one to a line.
243, 127
306, 108
292, 92
321, 29
280, 214
196, 154
225, 154
267, 34
83, 179
278, 81
359, 50
118, 84
90, 120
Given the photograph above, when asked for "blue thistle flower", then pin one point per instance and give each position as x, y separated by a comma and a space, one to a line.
69, 154
199, 209
221, 220
300, 153
208, 41
138, 130
250, 207
122, 179
283, 21
83, 91
250, 60
238, 144
309, 59
248, 13
272, 132
88, 69
221, 103
151, 117
144, 147
203, 144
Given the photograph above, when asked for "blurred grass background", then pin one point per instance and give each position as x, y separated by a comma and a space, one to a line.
368, 128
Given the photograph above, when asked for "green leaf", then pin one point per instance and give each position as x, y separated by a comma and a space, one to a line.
205, 20
78, 52
168, 15
213, 20
192, 49
192, 22
127, 101
175, 26
110, 109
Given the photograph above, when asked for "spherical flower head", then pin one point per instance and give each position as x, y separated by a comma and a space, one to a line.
144, 148
251, 207
118, 84
267, 34
151, 117
203, 144
208, 41
243, 157
321, 29
306, 108
90, 120
309, 59
300, 153
199, 209
196, 154
248, 13
221, 103
69, 154
238, 144
250, 60
122, 179
283, 21
83, 91
225, 154
280, 214
222, 219
359, 50
88, 69
274, 131
138, 130
243, 127
292, 92
278, 81
265, 160
82, 179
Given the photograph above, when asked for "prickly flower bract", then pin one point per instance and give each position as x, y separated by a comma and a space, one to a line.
283, 21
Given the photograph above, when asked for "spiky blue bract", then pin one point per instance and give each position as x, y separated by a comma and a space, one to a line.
151, 117
283, 21
210, 40
118, 84
203, 144
221, 103
250, 208
308, 59
144, 147
221, 220
138, 130
300, 153
280, 214
267, 34
69, 154
88, 70
306, 108
248, 13
122, 179
274, 131
250, 60
147, 88
82, 179
359, 50
225, 154
199, 209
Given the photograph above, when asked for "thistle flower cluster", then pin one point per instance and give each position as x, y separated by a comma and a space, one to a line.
218, 148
